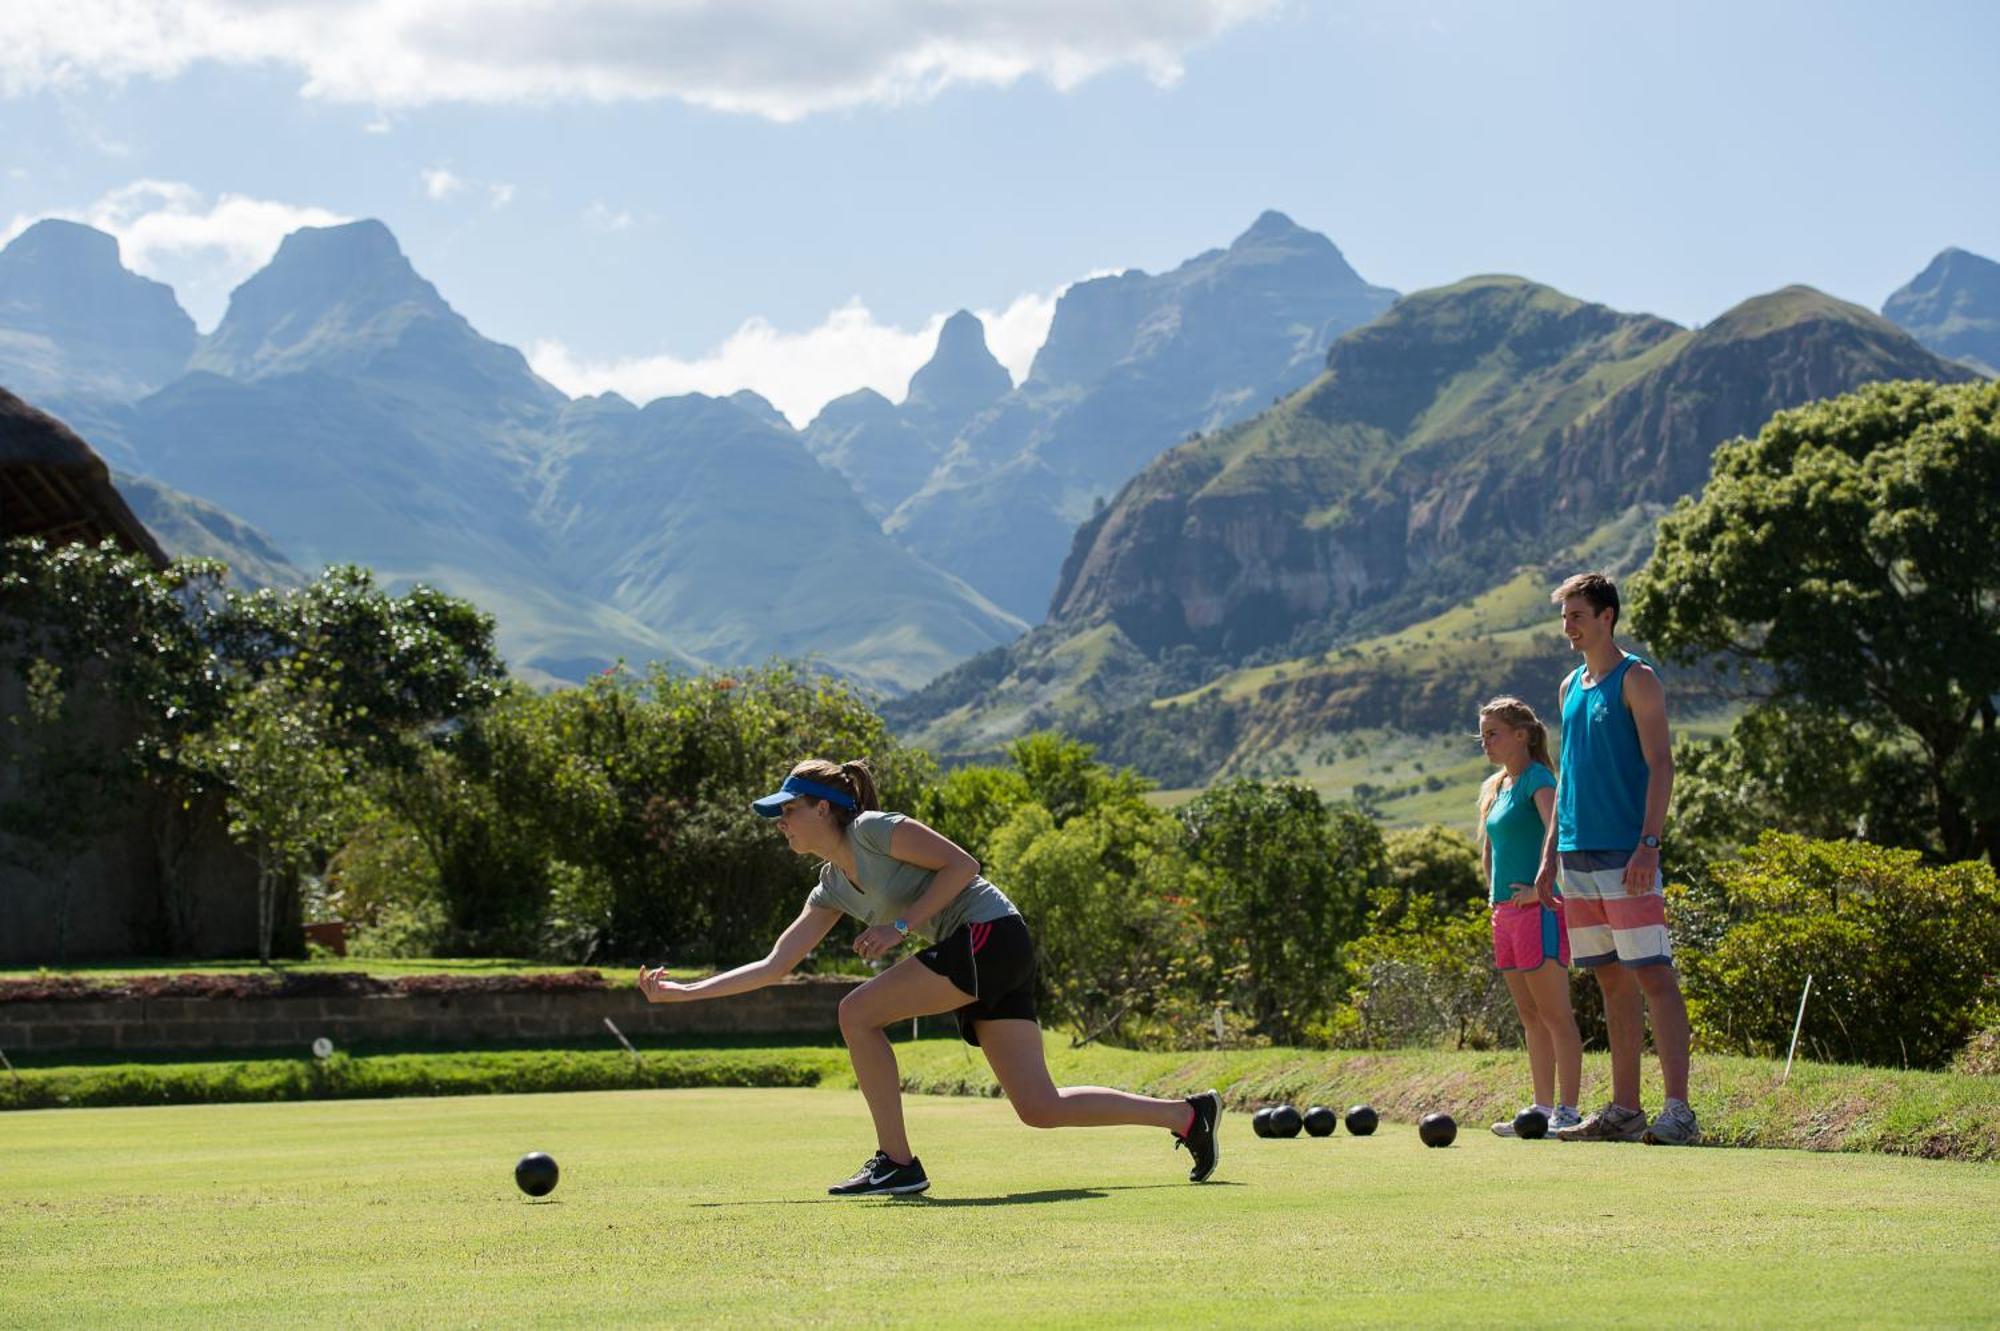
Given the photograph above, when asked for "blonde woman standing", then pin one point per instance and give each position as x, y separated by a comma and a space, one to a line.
1530, 942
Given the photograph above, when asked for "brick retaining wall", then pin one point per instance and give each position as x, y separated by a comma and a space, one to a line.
797, 1007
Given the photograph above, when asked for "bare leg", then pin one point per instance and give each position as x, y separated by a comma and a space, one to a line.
1549, 983
1541, 1054
1662, 987
1014, 1048
1625, 1023
907, 989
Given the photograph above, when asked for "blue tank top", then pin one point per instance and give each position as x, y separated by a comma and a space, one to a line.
1601, 801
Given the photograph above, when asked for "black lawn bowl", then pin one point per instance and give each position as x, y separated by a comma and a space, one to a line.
1361, 1121
1320, 1121
1260, 1122
1284, 1121
1531, 1125
1438, 1129
536, 1174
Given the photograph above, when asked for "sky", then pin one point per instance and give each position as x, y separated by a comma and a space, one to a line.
661, 196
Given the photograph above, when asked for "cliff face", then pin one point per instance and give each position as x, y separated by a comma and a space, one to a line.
1470, 430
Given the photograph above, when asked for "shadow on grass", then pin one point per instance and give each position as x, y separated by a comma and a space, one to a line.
1008, 1199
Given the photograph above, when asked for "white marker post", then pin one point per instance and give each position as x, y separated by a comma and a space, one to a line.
637, 1062
1796, 1026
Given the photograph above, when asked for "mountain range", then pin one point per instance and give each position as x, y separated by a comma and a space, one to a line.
343, 407
1255, 453
1474, 431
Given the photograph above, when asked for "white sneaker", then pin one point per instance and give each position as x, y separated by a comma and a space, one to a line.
1565, 1117
1673, 1126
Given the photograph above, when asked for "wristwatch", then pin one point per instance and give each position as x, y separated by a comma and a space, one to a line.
1650, 842
903, 926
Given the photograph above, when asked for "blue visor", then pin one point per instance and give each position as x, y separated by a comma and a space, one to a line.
797, 787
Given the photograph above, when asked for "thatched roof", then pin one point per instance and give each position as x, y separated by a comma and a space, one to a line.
53, 485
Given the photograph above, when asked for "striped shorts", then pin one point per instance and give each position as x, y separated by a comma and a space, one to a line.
1607, 923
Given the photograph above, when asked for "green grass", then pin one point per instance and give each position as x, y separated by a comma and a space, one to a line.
705, 1207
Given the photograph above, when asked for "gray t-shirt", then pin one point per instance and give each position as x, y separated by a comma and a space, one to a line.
889, 886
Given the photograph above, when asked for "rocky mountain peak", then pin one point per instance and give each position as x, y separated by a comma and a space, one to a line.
98, 326
962, 377
1953, 307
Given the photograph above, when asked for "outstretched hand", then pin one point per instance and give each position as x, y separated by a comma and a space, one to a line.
657, 988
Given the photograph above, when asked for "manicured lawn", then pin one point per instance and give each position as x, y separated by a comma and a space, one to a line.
700, 1207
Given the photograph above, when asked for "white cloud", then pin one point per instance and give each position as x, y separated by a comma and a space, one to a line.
782, 59
801, 372
499, 194
602, 217
440, 183
171, 231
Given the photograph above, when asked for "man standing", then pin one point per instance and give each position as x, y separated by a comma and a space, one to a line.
1604, 844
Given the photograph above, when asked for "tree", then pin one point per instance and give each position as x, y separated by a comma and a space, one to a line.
1286, 886
390, 670
1792, 768
1848, 552
289, 793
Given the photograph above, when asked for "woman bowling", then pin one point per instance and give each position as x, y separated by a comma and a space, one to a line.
898, 877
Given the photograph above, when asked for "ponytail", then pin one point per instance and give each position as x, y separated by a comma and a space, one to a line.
852, 778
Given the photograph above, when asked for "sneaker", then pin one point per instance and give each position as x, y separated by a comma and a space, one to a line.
1609, 1124
882, 1176
1565, 1117
1200, 1138
1674, 1127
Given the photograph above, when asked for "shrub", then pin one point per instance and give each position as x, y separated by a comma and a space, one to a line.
1108, 895
1425, 976
1902, 954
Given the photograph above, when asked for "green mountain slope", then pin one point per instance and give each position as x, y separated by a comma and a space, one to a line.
1475, 442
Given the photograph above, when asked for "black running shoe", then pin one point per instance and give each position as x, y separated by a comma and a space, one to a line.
1200, 1138
882, 1176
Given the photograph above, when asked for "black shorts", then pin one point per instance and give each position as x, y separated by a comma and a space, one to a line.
995, 963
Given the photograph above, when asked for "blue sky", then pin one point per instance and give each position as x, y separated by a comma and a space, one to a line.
792, 194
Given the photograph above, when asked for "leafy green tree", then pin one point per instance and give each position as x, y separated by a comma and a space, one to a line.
970, 804
1793, 768
1848, 551
391, 669
1433, 862
1064, 776
1286, 887
290, 793
1111, 895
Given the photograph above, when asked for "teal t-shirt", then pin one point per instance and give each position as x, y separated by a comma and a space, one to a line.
890, 886
1515, 830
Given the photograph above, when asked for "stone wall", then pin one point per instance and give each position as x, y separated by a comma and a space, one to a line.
797, 1007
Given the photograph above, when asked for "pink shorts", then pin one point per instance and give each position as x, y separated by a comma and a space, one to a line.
1525, 937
